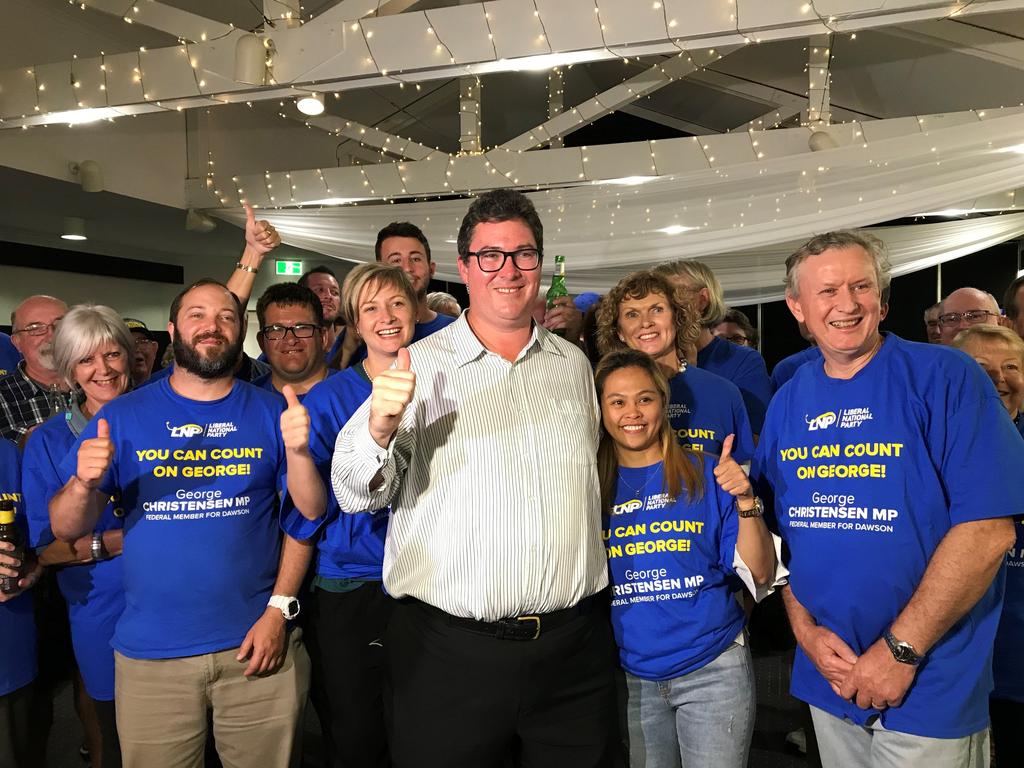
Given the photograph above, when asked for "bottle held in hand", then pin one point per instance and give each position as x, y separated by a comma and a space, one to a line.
9, 531
557, 289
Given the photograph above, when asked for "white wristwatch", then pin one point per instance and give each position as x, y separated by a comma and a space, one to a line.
289, 606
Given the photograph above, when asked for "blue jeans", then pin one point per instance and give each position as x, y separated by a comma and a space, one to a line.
701, 720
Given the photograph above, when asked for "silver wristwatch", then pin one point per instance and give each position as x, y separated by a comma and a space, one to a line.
96, 549
902, 651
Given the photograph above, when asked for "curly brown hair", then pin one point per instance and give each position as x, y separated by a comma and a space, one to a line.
639, 285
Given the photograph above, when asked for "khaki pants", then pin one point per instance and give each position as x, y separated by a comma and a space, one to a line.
162, 709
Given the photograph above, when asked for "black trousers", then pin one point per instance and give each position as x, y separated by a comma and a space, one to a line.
1007, 731
344, 638
458, 699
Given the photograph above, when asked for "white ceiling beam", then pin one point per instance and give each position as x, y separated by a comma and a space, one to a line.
440, 174
819, 77
162, 17
371, 137
616, 97
474, 39
771, 119
469, 114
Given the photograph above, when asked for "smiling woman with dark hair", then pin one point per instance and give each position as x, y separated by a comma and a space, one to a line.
678, 526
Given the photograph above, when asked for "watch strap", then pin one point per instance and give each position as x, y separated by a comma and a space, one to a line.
902, 651
96, 548
288, 605
755, 511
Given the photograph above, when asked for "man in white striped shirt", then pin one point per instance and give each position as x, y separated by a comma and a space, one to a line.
483, 439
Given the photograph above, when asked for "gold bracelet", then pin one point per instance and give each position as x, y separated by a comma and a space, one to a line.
246, 268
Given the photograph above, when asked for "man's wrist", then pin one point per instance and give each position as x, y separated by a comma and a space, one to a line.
902, 651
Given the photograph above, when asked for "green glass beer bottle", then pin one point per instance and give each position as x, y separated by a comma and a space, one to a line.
9, 531
557, 289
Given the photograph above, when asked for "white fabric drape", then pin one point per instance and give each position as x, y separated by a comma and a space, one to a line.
743, 219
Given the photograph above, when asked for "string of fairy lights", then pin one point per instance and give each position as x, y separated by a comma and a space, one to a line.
387, 149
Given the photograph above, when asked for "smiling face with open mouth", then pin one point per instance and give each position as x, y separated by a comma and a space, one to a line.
648, 325
1004, 366
632, 412
103, 374
386, 320
840, 302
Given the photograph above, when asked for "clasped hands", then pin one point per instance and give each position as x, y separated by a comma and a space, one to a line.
873, 680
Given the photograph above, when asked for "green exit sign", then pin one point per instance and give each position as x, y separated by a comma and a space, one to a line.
289, 268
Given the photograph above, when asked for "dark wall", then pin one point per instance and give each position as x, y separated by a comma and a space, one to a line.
990, 270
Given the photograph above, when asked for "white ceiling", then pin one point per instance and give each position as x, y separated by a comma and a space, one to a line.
925, 68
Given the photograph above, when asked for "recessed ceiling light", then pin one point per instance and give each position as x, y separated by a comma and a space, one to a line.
74, 229
311, 104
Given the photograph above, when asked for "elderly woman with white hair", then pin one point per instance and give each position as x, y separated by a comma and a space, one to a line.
92, 351
1000, 353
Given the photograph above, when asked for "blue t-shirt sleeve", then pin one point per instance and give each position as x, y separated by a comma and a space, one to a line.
983, 456
756, 388
39, 481
743, 444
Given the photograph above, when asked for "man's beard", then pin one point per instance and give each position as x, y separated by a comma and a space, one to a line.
45, 356
213, 367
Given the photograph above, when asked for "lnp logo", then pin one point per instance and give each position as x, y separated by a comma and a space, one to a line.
627, 506
185, 430
824, 421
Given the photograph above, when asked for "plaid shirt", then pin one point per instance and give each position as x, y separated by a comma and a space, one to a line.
23, 404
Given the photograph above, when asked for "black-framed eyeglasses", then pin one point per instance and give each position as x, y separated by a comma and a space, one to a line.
971, 317
38, 329
493, 259
278, 332
737, 338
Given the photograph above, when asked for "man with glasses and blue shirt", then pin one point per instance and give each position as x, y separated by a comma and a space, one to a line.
483, 440
33, 391
293, 337
963, 308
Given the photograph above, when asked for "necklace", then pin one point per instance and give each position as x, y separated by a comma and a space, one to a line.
366, 371
638, 492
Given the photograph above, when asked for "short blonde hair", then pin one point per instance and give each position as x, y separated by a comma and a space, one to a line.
990, 333
84, 328
703, 277
373, 273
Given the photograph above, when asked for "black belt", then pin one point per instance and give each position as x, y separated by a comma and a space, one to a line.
526, 627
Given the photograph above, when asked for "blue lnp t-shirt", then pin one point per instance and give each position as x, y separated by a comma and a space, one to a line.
704, 409
787, 366
745, 368
350, 546
94, 592
669, 564
199, 482
868, 475
17, 618
1007, 663
9, 355
266, 383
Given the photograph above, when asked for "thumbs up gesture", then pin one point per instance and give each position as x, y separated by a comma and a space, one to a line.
393, 390
94, 456
294, 422
259, 235
730, 475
